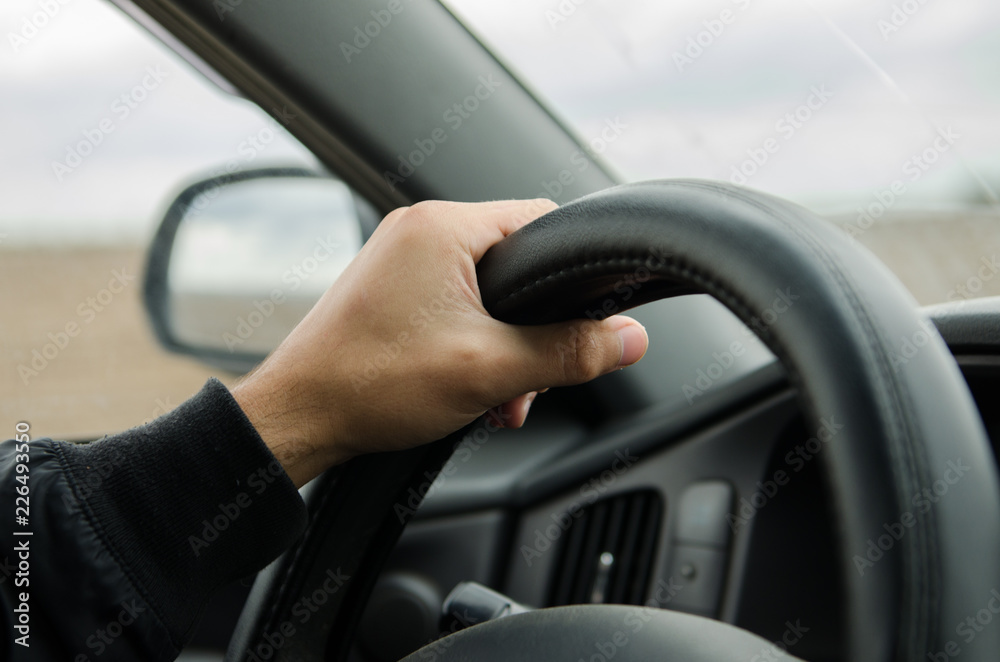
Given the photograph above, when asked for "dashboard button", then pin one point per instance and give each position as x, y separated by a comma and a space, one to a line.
698, 574
701, 516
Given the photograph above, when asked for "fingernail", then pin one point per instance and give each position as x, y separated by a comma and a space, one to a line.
634, 343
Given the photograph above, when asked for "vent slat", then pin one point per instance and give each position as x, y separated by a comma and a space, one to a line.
588, 559
609, 545
626, 527
629, 543
644, 554
563, 587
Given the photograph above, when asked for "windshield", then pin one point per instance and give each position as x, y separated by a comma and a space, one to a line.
882, 116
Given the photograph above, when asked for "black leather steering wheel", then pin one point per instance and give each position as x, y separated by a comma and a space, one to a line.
904, 417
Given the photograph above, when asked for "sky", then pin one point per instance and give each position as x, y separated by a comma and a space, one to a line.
702, 85
68, 78
622, 69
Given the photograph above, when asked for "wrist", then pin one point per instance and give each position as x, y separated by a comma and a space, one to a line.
297, 432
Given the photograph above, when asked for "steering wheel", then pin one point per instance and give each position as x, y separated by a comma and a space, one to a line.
904, 417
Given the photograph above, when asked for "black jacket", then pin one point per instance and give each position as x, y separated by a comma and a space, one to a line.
130, 535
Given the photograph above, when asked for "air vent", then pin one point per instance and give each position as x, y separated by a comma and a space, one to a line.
608, 552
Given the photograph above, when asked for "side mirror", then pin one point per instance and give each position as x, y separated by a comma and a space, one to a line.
239, 259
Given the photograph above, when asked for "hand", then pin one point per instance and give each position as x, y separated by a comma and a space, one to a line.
400, 351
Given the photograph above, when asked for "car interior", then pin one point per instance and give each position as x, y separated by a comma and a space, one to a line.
804, 463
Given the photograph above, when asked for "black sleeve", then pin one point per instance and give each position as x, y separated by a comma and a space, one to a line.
130, 535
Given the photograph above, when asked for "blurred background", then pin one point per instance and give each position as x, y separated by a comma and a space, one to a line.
881, 115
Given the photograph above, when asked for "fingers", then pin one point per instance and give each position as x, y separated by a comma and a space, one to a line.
562, 355
574, 352
635, 341
512, 413
499, 219
522, 360
478, 226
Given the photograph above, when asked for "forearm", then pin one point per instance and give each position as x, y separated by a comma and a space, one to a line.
156, 519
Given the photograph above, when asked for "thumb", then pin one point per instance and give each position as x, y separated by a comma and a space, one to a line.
575, 352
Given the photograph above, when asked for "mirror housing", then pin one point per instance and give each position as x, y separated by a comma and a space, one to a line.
239, 259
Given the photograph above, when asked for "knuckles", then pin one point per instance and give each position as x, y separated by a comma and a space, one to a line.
582, 355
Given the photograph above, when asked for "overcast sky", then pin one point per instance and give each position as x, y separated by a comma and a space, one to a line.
67, 79
898, 71
600, 60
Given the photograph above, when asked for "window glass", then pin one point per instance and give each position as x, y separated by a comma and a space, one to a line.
878, 115
102, 127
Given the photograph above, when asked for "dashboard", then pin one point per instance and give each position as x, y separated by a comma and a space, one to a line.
715, 505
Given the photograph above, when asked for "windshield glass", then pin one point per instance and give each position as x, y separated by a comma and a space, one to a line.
881, 116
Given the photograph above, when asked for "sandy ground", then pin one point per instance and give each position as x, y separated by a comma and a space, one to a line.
937, 255
112, 374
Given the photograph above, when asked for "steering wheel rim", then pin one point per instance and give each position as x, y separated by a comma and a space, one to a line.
903, 415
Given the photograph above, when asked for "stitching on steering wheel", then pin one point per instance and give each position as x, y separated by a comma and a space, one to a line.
907, 457
909, 463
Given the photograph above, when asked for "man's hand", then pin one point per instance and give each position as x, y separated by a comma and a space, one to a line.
400, 351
